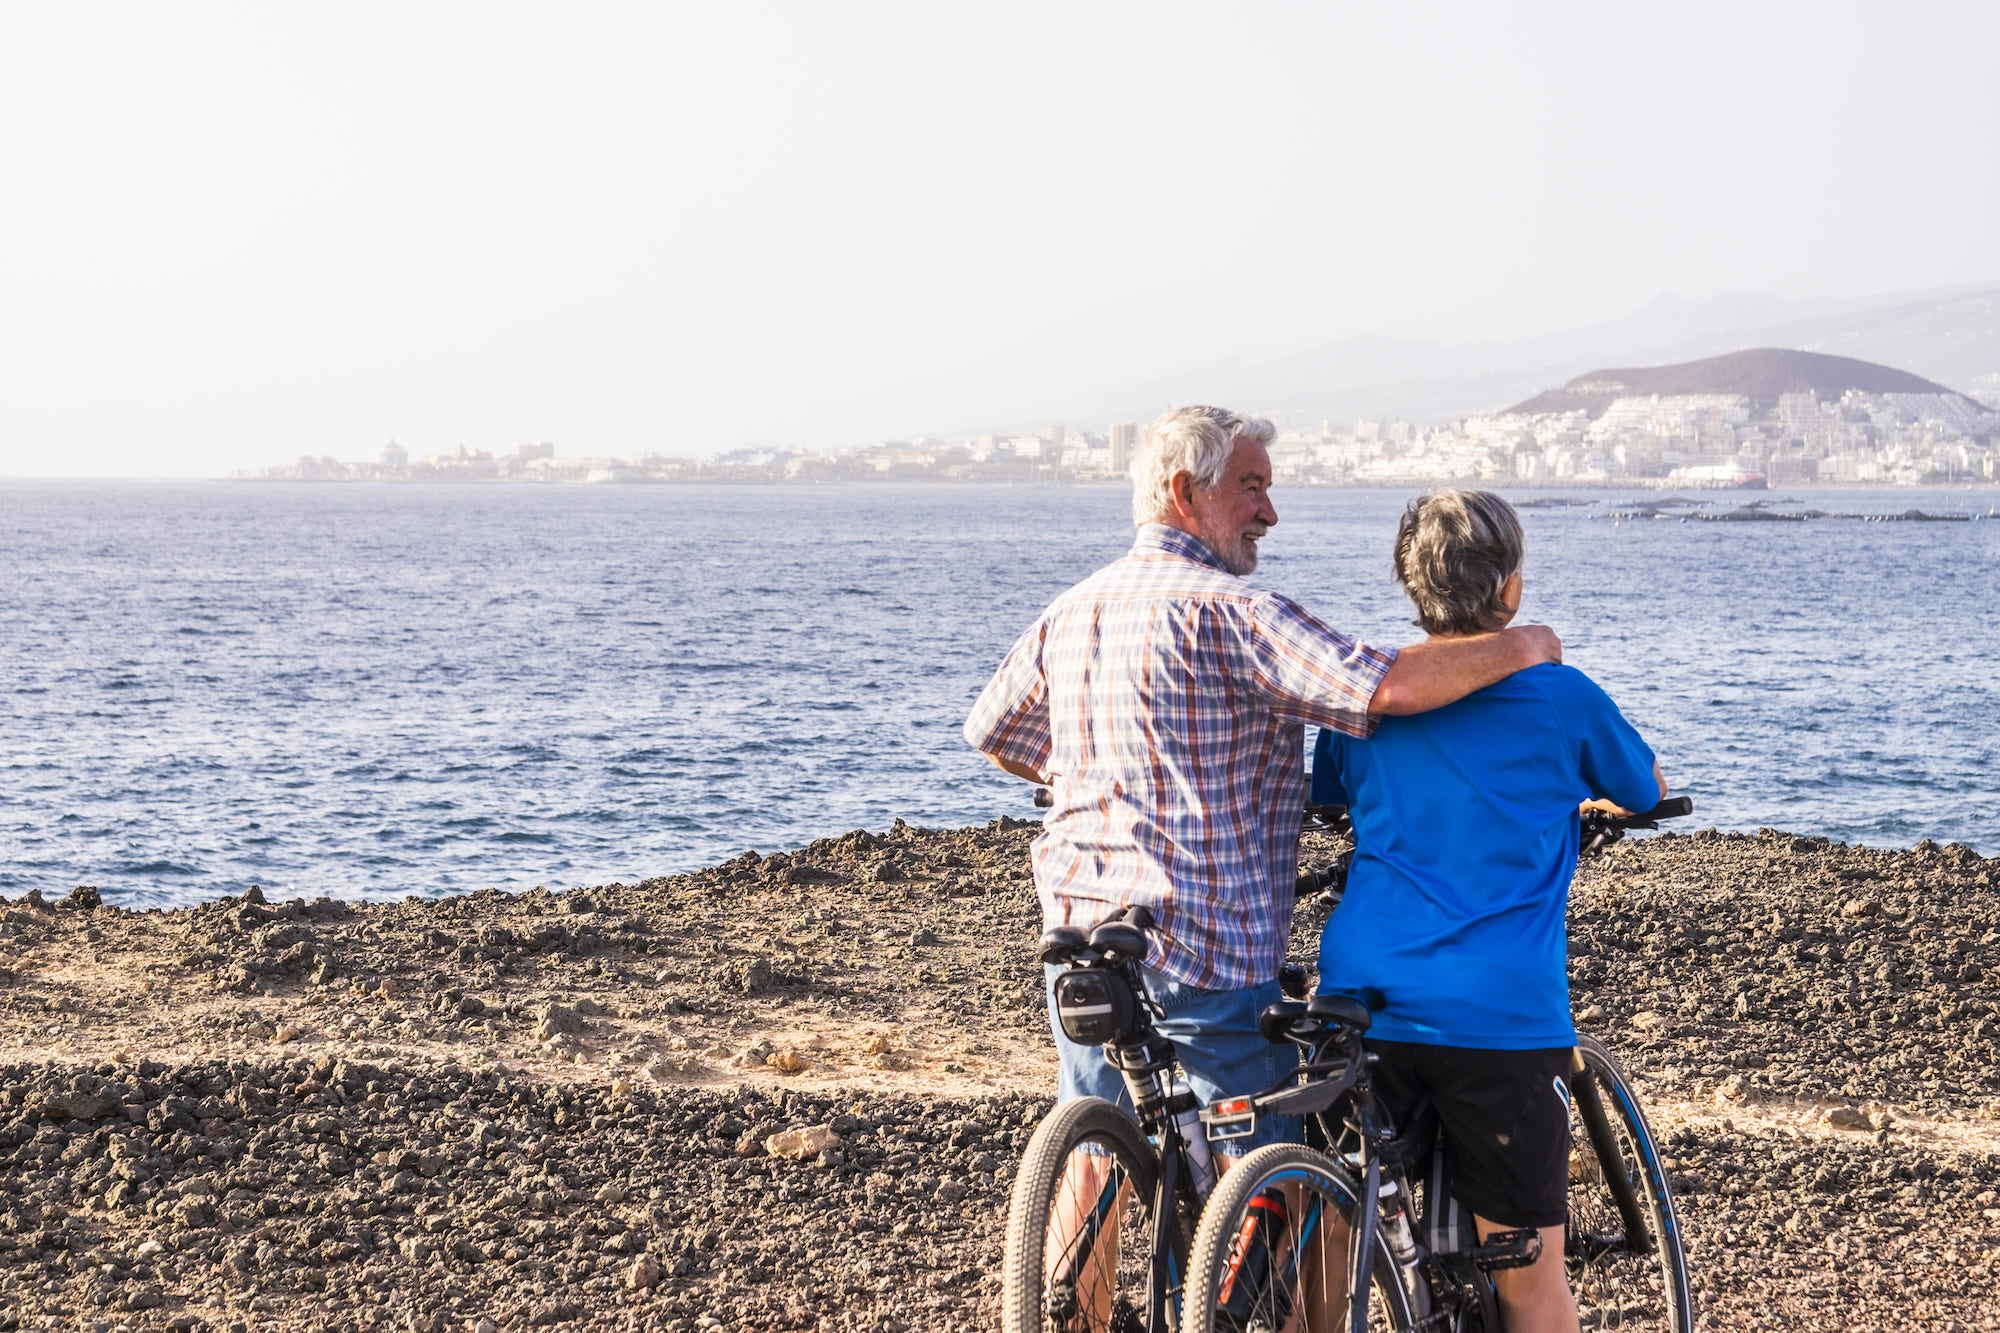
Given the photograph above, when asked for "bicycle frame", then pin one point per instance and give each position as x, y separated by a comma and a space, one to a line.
1150, 1068
1334, 1082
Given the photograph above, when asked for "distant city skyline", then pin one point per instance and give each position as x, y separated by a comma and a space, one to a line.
237, 234
1738, 421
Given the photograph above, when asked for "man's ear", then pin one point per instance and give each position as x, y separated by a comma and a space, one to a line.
1181, 487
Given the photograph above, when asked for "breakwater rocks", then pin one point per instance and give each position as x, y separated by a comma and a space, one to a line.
788, 1092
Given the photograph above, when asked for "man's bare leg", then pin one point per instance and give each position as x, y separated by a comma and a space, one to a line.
1322, 1276
1083, 1185
1535, 1299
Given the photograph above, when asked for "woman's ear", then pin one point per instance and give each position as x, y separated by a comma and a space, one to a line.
1510, 596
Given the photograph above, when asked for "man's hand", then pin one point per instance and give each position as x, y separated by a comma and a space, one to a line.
1538, 643
1020, 770
1439, 671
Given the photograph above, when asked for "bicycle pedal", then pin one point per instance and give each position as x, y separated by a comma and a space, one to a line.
1508, 1249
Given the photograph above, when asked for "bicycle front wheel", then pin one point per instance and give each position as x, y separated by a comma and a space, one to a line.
1272, 1245
1080, 1229
1623, 1244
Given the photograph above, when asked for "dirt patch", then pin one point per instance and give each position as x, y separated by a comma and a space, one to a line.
552, 1110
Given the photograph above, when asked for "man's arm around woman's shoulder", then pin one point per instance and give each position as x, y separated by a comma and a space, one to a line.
1441, 671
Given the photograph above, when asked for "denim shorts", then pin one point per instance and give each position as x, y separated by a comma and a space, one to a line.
1221, 1052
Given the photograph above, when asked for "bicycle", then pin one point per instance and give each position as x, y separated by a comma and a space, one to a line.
1065, 1265
1093, 1173
1374, 1210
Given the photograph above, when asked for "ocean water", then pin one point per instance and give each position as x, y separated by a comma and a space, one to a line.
389, 690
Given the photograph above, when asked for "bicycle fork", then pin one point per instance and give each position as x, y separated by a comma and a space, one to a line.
1638, 1237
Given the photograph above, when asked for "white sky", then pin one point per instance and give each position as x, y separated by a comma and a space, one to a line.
233, 234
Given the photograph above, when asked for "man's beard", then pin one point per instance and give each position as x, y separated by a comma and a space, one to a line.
1237, 551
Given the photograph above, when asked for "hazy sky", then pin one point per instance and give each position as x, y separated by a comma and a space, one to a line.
232, 234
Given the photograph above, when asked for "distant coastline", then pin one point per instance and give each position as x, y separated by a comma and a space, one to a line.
1743, 421
1720, 489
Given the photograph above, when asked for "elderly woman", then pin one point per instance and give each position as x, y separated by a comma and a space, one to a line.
1466, 827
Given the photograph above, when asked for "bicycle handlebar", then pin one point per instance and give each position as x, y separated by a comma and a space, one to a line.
1672, 808
1600, 830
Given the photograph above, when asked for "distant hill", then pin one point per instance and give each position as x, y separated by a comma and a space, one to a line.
1949, 334
1760, 374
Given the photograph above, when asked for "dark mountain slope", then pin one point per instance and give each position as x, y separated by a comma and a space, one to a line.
1761, 374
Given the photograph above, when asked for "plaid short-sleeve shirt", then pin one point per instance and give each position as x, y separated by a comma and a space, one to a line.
1167, 699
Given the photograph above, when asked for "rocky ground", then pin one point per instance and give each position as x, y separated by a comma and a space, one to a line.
578, 1110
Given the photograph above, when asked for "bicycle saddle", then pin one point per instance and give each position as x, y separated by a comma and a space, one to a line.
1277, 1020
1120, 939
1342, 1009
1059, 943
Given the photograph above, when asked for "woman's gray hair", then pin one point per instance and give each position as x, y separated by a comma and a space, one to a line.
1455, 551
1194, 440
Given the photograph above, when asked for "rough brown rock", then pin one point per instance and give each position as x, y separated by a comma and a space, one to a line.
416, 1160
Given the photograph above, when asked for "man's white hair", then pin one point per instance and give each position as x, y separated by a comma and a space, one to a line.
1194, 440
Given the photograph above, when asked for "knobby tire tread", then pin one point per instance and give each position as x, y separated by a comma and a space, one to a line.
1062, 1131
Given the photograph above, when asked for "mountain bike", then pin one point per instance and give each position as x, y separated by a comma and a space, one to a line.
1104, 1207
1096, 1181
1363, 1231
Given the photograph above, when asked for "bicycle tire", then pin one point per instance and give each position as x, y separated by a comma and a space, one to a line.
1048, 1278
1320, 1179
1620, 1284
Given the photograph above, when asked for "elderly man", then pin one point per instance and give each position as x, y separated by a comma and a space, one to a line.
1164, 701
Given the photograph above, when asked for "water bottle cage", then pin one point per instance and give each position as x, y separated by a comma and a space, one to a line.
1507, 1249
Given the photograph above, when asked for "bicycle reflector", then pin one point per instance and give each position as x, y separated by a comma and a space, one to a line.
1094, 1006
1231, 1119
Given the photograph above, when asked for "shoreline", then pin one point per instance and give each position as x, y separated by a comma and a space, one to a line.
551, 1110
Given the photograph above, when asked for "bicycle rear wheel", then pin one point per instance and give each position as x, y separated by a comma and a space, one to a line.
1623, 1245
1253, 1272
1080, 1225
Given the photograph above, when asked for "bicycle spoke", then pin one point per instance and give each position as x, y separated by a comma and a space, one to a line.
1080, 1233
1097, 1261
1271, 1254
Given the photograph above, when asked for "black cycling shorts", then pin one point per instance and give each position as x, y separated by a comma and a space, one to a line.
1505, 1118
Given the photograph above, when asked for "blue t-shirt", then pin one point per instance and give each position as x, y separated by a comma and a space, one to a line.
1465, 825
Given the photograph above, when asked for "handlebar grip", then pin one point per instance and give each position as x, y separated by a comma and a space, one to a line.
1672, 808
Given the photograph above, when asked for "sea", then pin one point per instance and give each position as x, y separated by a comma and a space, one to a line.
379, 691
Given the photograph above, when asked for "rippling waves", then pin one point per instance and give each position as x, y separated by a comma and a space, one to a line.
349, 690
